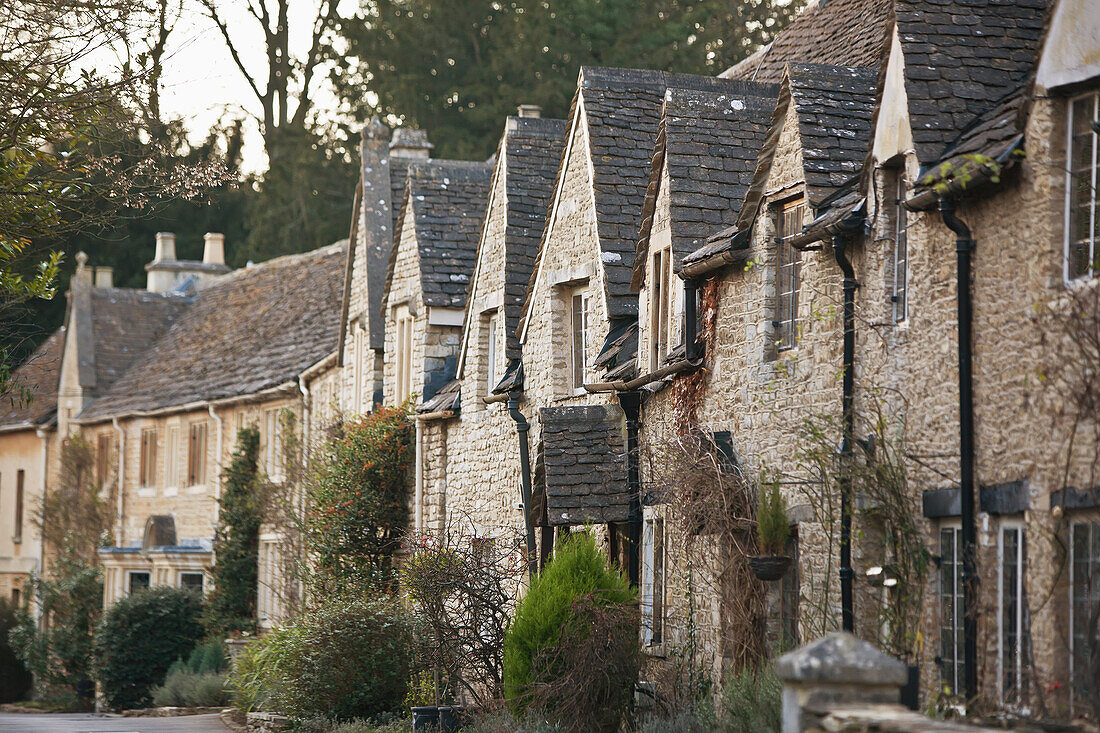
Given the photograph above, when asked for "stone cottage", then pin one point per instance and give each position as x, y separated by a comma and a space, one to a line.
479, 437
159, 383
28, 445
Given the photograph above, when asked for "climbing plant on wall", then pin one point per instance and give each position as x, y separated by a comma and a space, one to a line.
358, 502
231, 606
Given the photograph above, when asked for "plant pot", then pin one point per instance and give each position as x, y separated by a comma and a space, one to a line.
426, 717
769, 567
450, 718
910, 693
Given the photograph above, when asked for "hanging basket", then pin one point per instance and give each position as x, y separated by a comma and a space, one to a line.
769, 567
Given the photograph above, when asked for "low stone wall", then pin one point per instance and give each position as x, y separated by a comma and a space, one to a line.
267, 723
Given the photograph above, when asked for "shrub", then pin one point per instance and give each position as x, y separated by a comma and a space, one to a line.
208, 657
576, 600
772, 526
231, 606
751, 701
359, 502
140, 637
61, 655
15, 678
182, 688
350, 658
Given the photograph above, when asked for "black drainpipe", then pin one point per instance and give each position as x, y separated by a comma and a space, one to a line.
964, 246
847, 575
522, 431
631, 402
690, 319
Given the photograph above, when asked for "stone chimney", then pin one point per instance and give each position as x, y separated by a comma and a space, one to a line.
529, 110
213, 252
409, 142
166, 247
104, 277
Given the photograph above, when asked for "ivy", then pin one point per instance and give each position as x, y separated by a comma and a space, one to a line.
231, 606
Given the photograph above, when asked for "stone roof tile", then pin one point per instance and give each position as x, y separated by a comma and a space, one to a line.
33, 399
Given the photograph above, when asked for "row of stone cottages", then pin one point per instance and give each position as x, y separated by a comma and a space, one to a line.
832, 255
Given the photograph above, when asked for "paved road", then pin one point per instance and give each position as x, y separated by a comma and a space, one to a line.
85, 723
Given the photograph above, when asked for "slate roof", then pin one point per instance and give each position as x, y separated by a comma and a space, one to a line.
532, 153
622, 112
834, 107
115, 326
837, 32
962, 58
448, 200
583, 456
37, 378
709, 142
251, 330
449, 397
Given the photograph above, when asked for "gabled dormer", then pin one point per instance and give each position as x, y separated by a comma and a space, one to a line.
428, 275
706, 149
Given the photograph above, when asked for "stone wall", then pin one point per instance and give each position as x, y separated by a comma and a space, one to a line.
21, 451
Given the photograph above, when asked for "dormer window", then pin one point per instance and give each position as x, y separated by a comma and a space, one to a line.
491, 376
578, 329
660, 306
788, 264
1081, 180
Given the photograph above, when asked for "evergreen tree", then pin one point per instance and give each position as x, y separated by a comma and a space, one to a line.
231, 606
456, 67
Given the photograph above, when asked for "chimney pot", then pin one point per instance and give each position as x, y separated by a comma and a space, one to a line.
166, 247
104, 277
213, 252
410, 142
530, 110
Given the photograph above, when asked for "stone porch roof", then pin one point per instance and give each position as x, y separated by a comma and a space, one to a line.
448, 200
37, 379
583, 460
709, 141
532, 152
254, 329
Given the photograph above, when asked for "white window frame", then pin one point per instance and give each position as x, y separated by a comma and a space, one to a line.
577, 380
654, 527
172, 458
1093, 526
492, 336
957, 669
899, 295
273, 444
786, 316
201, 574
1093, 223
130, 579
1021, 620
403, 323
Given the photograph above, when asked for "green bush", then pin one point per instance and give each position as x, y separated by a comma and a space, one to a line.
577, 596
191, 690
751, 701
61, 656
208, 657
350, 658
772, 525
15, 678
140, 637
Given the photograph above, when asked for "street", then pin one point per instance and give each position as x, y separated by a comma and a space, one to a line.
87, 723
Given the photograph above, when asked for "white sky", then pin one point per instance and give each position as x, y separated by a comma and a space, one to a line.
201, 83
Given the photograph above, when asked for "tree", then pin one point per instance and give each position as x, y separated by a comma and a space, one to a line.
75, 147
75, 516
457, 67
231, 606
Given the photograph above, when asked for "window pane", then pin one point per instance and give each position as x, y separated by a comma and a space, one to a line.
579, 319
901, 257
787, 275
138, 581
191, 581
1080, 190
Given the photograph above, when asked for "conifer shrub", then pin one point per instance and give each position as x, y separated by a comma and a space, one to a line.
231, 606
772, 525
197, 681
572, 650
140, 637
